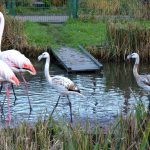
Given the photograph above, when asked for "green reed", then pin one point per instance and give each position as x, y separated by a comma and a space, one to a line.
127, 132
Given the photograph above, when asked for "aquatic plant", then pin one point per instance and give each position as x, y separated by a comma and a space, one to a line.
127, 132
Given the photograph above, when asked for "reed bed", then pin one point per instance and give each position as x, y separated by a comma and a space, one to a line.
122, 38
127, 133
125, 37
131, 8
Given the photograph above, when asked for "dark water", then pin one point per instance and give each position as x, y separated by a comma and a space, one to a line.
107, 94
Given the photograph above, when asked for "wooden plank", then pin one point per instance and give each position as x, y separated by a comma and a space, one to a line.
74, 60
63, 64
87, 53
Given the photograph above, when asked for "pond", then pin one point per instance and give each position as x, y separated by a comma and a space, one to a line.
107, 95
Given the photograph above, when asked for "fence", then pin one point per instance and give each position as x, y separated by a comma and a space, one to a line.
42, 10
81, 8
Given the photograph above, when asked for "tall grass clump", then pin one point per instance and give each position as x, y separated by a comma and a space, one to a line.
128, 132
131, 8
15, 38
126, 36
13, 33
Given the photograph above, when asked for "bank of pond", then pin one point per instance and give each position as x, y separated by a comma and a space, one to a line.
126, 132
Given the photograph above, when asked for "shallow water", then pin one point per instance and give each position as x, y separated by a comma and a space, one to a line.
107, 94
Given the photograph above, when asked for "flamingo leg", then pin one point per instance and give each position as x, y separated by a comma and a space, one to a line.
149, 102
70, 108
1, 87
8, 119
14, 93
55, 106
4, 97
27, 91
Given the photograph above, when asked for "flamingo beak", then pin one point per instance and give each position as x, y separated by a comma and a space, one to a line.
15, 80
128, 57
33, 71
40, 57
30, 68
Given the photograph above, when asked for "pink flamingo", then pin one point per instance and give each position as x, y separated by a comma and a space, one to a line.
16, 60
7, 75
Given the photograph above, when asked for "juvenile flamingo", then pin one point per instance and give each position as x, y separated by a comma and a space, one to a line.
16, 60
143, 81
7, 75
62, 84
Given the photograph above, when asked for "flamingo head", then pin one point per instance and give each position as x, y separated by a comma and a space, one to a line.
29, 67
133, 55
14, 80
43, 55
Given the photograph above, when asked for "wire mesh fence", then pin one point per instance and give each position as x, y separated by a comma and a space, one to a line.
82, 8
37, 7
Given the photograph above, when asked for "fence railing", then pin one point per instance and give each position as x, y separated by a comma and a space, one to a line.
81, 8
42, 7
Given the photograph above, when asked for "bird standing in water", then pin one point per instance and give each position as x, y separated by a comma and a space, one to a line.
16, 60
143, 81
7, 75
62, 84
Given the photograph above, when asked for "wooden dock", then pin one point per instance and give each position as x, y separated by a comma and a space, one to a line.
76, 60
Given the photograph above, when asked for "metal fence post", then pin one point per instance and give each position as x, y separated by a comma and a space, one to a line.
8, 6
75, 8
13, 7
69, 7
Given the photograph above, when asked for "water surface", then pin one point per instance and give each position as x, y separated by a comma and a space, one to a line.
107, 95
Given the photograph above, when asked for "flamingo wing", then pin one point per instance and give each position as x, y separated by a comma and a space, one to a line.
63, 82
17, 61
145, 79
6, 74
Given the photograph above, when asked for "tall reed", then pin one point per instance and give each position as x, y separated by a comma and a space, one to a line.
127, 132
125, 37
131, 8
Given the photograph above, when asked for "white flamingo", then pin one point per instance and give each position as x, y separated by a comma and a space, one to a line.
7, 75
16, 60
62, 84
143, 81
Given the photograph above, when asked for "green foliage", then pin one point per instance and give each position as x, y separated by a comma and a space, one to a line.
72, 33
125, 36
37, 34
127, 132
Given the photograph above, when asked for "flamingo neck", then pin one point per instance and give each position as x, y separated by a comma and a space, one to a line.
2, 22
46, 70
135, 68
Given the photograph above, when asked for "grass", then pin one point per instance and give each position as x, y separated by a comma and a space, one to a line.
106, 40
36, 34
71, 33
130, 132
